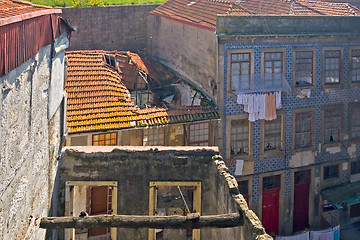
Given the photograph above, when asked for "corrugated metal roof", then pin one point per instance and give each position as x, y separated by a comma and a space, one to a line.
345, 194
15, 11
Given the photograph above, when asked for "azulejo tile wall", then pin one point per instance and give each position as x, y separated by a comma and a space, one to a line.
320, 97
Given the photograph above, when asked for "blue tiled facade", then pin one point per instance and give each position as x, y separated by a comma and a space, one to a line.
319, 97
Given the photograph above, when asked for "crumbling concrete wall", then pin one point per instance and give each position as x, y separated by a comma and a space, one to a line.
188, 50
29, 143
134, 167
109, 28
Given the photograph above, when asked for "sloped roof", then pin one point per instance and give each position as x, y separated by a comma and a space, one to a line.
98, 100
204, 12
192, 113
13, 11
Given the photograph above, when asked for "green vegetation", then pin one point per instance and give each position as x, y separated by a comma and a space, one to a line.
88, 3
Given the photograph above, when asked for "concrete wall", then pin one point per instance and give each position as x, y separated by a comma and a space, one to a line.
264, 25
29, 146
188, 50
174, 135
134, 167
109, 28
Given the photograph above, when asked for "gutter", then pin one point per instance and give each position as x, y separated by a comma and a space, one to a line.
25, 16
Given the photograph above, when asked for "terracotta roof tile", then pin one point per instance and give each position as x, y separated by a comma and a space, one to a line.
9, 8
97, 98
204, 12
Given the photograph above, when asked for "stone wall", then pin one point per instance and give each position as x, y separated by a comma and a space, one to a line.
134, 167
109, 28
29, 146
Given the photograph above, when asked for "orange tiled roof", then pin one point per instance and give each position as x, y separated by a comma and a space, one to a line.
204, 12
9, 8
97, 98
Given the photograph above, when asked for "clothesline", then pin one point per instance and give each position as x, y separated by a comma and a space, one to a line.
332, 233
260, 106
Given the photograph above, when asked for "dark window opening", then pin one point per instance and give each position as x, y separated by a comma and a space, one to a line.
331, 171
355, 210
110, 60
355, 167
271, 182
302, 177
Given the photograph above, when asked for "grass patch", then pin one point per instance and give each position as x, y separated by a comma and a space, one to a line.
90, 3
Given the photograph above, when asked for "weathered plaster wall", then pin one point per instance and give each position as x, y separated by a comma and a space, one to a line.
29, 146
134, 167
188, 50
109, 28
174, 135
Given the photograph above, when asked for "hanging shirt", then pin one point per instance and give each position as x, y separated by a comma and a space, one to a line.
278, 99
270, 113
262, 106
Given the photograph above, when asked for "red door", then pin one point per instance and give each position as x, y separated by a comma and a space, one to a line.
270, 210
301, 207
301, 200
99, 203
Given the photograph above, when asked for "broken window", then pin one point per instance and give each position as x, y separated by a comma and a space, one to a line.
110, 60
332, 125
304, 68
199, 134
355, 65
90, 198
240, 71
106, 139
174, 198
332, 66
304, 129
153, 137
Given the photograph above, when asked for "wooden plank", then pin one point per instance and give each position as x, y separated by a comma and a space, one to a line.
181, 184
191, 221
91, 183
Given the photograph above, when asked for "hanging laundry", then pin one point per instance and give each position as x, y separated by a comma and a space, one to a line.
278, 99
326, 234
301, 236
270, 112
336, 232
260, 105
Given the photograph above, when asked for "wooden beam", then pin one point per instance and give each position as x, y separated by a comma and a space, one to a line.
191, 221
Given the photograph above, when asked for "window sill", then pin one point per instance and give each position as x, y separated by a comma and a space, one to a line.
311, 87
355, 84
244, 157
332, 85
304, 149
333, 144
272, 153
354, 140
